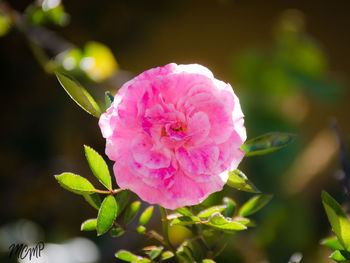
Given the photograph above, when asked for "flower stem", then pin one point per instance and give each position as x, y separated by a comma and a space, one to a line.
165, 228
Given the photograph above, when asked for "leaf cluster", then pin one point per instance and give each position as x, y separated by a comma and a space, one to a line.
340, 243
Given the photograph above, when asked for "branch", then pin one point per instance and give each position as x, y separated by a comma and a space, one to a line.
165, 229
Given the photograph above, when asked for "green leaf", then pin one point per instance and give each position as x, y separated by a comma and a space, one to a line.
98, 167
166, 255
209, 233
267, 143
143, 260
218, 221
238, 180
106, 215
130, 257
89, 225
108, 99
332, 243
122, 199
146, 216
184, 252
126, 256
131, 211
79, 94
340, 256
231, 207
185, 220
153, 251
254, 204
208, 261
75, 183
141, 229
116, 232
184, 211
93, 199
209, 211
244, 221
337, 218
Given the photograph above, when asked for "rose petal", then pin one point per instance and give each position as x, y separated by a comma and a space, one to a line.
199, 160
141, 148
198, 127
187, 191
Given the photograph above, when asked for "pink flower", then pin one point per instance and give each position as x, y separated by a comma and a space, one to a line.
174, 132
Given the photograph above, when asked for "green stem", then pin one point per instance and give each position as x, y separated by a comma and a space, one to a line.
150, 234
220, 251
107, 192
165, 229
206, 249
39, 54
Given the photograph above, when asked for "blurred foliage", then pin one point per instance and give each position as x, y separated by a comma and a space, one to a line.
278, 83
295, 63
49, 12
95, 60
5, 24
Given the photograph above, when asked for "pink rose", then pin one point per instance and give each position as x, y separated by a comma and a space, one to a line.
174, 132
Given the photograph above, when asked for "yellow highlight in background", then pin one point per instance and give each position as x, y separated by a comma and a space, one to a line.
98, 61
5, 24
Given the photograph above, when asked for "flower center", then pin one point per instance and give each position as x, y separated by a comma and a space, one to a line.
177, 127
174, 130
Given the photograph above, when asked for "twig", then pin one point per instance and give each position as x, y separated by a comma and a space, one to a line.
220, 251
151, 234
217, 241
112, 192
207, 250
163, 214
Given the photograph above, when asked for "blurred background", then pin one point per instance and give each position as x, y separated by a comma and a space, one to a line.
288, 62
